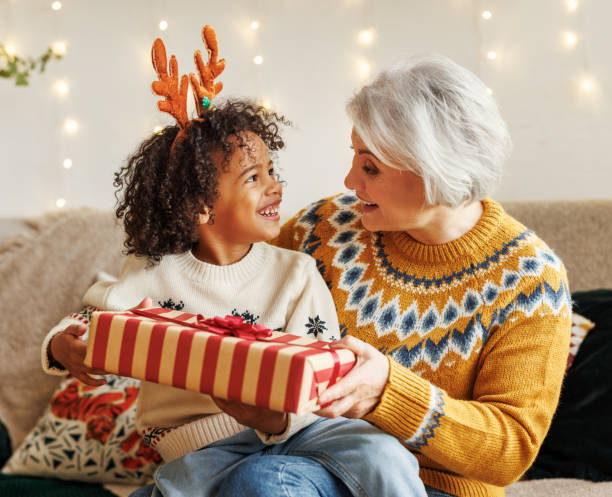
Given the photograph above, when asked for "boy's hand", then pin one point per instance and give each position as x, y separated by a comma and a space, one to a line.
68, 349
260, 418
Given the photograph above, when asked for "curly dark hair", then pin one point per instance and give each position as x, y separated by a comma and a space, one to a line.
162, 189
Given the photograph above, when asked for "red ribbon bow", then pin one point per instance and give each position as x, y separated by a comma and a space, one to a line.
234, 326
228, 326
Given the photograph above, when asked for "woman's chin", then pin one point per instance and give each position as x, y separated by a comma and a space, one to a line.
370, 224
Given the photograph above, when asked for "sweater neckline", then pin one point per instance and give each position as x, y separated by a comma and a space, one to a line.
232, 274
477, 240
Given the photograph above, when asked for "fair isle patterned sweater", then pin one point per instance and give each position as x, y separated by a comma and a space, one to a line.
476, 331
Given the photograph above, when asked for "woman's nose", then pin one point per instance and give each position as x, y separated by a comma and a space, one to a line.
349, 180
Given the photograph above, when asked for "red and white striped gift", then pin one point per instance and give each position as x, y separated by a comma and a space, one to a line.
259, 367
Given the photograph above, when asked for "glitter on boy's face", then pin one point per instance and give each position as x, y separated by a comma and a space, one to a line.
246, 209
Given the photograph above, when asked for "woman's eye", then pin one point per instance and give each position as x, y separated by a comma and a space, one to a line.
370, 169
252, 179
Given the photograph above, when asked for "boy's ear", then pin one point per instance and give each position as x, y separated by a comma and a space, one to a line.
204, 217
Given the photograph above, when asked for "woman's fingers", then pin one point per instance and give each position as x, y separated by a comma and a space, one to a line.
343, 387
358, 347
360, 390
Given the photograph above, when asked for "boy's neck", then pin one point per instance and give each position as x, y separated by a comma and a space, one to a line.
220, 254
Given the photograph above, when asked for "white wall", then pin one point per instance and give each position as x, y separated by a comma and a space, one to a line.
311, 55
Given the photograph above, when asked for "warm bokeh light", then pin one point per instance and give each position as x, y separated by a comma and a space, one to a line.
572, 4
254, 25
60, 203
61, 87
67, 163
163, 25
158, 129
366, 37
258, 59
569, 39
486, 15
56, 5
364, 68
59, 48
491, 55
71, 126
10, 49
586, 85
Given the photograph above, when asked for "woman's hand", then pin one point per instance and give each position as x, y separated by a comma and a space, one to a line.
357, 393
68, 349
260, 418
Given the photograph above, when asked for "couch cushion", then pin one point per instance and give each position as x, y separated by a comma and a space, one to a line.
559, 487
579, 443
43, 276
87, 433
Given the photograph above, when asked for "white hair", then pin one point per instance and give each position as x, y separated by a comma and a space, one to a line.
435, 118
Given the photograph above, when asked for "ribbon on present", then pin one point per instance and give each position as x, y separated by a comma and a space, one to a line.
235, 326
228, 326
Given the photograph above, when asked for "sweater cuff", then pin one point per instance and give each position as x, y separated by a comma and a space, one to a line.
48, 363
405, 403
294, 424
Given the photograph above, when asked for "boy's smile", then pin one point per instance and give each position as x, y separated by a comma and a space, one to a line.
271, 212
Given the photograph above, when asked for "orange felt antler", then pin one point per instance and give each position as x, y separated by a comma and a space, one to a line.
175, 103
205, 90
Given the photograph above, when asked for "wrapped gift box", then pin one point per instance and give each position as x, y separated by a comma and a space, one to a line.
223, 357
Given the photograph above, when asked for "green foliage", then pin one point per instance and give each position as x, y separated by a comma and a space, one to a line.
13, 66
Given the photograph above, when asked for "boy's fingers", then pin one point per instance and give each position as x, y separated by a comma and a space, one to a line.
88, 380
76, 329
146, 302
95, 371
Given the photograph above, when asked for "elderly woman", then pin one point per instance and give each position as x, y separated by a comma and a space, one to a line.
458, 314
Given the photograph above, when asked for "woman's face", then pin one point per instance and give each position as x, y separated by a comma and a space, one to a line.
392, 199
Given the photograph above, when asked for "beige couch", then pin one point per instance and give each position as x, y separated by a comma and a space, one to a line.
47, 263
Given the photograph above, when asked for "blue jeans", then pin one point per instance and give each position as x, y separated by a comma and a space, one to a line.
331, 458
300, 478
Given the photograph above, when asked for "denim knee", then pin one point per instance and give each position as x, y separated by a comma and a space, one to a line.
270, 476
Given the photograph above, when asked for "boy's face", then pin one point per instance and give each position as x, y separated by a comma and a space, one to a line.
246, 209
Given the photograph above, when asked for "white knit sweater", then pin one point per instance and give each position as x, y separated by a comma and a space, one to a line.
278, 288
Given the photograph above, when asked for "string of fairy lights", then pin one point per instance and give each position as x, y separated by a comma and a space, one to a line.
570, 39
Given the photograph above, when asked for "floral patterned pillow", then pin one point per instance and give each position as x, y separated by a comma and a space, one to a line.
87, 433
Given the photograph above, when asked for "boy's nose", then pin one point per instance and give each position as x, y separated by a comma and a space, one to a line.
275, 186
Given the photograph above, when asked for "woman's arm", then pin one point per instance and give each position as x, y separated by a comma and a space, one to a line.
495, 435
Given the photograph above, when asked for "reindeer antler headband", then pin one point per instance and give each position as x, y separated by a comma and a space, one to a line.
175, 94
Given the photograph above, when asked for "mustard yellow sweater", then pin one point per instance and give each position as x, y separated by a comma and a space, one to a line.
476, 331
